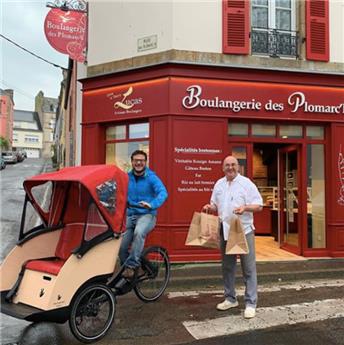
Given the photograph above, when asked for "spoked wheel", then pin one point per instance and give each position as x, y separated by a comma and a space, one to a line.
154, 274
92, 313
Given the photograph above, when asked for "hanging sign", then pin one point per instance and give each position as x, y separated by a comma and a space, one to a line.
66, 32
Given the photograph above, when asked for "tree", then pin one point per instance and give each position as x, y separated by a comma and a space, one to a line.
4, 143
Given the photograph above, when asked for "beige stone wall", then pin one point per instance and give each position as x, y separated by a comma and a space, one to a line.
189, 32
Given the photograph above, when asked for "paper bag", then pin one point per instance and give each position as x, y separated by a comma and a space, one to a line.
237, 243
203, 231
194, 238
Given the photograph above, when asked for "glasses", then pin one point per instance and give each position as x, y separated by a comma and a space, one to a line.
139, 160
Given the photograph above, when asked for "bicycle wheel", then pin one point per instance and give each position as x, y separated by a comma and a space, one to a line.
92, 313
152, 281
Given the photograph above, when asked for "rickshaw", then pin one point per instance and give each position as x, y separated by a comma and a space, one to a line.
64, 265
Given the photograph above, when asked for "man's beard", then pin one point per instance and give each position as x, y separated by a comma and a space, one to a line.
139, 172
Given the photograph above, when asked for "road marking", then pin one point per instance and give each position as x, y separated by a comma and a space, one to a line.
317, 283
267, 317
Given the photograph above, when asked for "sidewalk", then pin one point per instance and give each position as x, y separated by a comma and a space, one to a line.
47, 166
208, 275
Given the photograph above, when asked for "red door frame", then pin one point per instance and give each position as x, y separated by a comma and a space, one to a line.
300, 223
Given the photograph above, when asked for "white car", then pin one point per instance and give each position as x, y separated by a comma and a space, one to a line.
9, 157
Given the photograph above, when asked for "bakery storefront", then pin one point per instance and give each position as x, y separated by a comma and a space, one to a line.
285, 128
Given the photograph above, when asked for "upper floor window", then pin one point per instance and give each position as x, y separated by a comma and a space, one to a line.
273, 28
268, 28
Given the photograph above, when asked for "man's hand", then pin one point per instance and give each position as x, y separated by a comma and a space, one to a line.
145, 204
240, 210
209, 207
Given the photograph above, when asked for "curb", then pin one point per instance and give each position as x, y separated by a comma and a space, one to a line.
210, 276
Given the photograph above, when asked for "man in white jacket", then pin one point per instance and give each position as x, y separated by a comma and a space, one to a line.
236, 194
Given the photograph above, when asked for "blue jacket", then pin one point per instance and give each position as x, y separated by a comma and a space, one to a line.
148, 188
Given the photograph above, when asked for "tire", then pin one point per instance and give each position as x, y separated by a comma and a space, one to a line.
154, 274
92, 313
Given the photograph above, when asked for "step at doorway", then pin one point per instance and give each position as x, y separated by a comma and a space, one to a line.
267, 249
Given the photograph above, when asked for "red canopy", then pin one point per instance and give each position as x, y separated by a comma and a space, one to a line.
107, 185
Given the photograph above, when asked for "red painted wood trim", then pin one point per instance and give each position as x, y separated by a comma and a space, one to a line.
317, 30
235, 26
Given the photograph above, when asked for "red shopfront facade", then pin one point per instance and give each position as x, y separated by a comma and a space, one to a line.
285, 128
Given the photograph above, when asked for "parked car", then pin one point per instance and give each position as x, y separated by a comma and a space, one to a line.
2, 163
9, 157
20, 156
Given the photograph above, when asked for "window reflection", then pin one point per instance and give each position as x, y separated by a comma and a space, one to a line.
139, 130
315, 132
238, 129
239, 152
290, 131
115, 133
119, 153
316, 196
263, 130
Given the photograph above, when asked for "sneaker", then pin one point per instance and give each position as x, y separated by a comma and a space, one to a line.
250, 312
227, 305
140, 272
128, 273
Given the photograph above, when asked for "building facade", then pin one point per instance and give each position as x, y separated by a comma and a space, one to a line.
261, 80
27, 133
6, 115
46, 108
67, 134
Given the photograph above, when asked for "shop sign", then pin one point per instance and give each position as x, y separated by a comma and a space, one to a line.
123, 104
66, 32
296, 102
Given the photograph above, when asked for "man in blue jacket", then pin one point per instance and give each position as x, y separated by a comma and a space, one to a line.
146, 193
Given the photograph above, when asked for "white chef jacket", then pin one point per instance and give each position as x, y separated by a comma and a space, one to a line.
229, 195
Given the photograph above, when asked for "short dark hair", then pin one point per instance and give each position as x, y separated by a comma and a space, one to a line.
138, 152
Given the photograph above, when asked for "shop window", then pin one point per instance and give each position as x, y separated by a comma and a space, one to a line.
273, 28
115, 133
263, 130
316, 196
140, 130
290, 132
120, 144
119, 153
239, 152
238, 129
315, 132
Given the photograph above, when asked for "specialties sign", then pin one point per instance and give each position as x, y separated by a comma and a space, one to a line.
196, 166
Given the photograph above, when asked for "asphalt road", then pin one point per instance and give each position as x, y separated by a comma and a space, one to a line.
303, 313
12, 199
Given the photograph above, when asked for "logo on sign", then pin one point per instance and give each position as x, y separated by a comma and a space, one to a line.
124, 102
66, 32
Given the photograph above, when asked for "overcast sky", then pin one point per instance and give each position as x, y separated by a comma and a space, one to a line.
22, 21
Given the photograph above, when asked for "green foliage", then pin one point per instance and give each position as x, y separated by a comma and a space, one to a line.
4, 143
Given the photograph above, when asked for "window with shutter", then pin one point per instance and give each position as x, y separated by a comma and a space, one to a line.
273, 28
235, 24
317, 30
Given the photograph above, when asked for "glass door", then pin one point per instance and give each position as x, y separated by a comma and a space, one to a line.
289, 198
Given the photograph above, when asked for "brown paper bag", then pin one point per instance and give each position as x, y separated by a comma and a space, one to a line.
237, 243
210, 237
203, 231
194, 238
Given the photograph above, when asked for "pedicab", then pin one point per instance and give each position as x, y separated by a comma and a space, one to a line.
64, 265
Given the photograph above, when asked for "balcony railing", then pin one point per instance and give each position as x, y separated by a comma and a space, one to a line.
275, 43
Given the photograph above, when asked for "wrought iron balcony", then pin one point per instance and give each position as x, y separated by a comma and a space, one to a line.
275, 43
